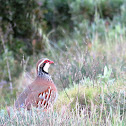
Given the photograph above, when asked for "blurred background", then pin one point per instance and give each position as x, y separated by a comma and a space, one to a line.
85, 39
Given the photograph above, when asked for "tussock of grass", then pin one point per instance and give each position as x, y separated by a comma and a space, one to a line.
95, 95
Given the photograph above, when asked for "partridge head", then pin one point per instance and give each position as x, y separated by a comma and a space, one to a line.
42, 92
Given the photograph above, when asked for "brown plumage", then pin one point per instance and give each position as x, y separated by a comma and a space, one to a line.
42, 92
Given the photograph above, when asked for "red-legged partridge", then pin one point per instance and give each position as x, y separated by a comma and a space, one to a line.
42, 92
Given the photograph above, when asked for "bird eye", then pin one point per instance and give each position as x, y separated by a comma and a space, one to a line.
46, 61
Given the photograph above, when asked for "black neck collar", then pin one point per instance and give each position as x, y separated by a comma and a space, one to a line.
44, 72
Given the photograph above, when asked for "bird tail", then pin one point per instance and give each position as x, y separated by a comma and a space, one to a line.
20, 102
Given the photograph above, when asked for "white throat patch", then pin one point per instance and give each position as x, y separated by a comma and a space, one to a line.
41, 64
46, 67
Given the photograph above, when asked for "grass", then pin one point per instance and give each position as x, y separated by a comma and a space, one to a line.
89, 73
86, 105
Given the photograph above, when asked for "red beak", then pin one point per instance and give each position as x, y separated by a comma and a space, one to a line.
50, 62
